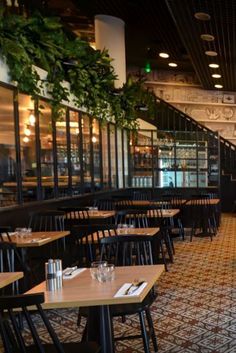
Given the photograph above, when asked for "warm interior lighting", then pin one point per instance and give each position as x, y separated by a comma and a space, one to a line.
211, 53
63, 124
172, 64
94, 139
164, 55
214, 66
216, 76
26, 139
202, 16
207, 37
218, 86
27, 131
32, 119
77, 131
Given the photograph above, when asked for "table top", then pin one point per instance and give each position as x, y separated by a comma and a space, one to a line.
124, 231
82, 290
209, 201
9, 277
168, 213
150, 203
93, 214
36, 239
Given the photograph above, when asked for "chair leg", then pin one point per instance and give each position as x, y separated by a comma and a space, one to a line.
151, 330
163, 256
144, 332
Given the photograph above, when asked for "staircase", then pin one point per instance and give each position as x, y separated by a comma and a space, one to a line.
170, 118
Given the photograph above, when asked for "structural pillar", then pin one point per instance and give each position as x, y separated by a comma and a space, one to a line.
110, 34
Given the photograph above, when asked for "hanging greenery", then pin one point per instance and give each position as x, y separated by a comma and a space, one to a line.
40, 41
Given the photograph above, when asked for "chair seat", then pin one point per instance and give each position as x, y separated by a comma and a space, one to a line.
90, 347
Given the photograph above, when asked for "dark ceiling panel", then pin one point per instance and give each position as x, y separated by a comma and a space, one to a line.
222, 26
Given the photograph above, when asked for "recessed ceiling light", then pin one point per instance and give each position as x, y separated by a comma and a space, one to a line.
202, 16
211, 53
173, 64
216, 75
218, 86
214, 66
164, 55
207, 37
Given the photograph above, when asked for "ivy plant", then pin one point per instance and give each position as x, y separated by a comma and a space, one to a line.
41, 41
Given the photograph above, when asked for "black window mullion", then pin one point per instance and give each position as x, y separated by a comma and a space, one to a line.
17, 143
116, 154
38, 151
91, 152
100, 155
55, 164
109, 153
68, 143
123, 156
81, 152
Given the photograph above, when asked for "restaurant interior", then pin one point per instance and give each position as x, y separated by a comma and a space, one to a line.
117, 176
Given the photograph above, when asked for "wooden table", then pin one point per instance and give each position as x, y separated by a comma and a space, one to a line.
9, 277
169, 213
93, 214
151, 203
211, 202
85, 291
36, 239
121, 231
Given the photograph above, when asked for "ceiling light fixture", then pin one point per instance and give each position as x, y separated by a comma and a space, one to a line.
202, 16
164, 55
211, 53
172, 64
218, 86
216, 76
214, 66
207, 37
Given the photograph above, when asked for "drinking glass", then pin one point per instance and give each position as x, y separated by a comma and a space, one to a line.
106, 273
94, 268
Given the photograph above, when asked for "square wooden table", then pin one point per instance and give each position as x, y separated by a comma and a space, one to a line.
85, 291
9, 277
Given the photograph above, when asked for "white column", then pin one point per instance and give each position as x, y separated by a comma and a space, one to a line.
109, 34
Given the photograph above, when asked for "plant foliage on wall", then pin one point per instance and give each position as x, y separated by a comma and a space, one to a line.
41, 41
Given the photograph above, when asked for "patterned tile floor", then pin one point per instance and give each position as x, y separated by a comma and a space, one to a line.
196, 307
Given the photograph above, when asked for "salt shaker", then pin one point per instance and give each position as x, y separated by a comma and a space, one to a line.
58, 267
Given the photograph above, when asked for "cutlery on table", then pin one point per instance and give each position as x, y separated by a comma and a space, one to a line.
133, 287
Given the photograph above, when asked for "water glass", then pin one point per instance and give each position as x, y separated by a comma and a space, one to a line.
94, 268
106, 273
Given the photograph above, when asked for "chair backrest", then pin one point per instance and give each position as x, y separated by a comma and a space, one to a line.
141, 195
75, 213
105, 204
11, 334
134, 217
87, 239
127, 250
49, 220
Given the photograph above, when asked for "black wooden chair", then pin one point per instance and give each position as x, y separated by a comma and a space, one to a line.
132, 217
105, 204
13, 339
203, 218
75, 215
126, 251
86, 242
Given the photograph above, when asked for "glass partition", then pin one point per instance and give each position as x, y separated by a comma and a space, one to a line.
105, 157
96, 154
86, 131
28, 149
8, 185
120, 158
126, 161
62, 154
113, 155
75, 152
46, 151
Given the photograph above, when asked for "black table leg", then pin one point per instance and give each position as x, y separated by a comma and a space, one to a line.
99, 328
